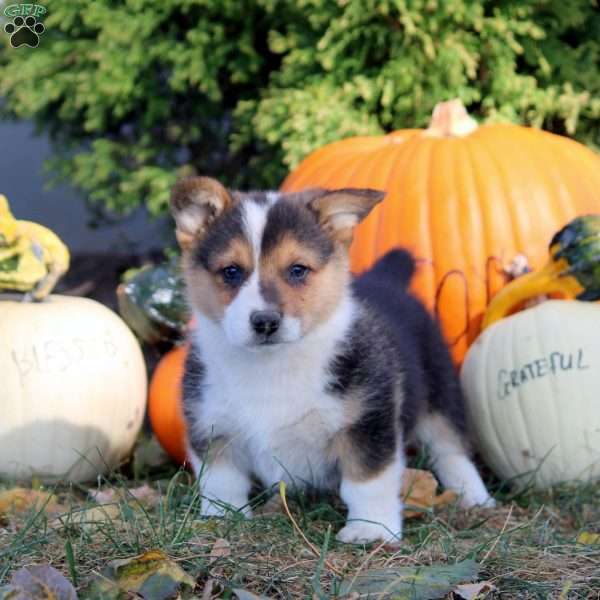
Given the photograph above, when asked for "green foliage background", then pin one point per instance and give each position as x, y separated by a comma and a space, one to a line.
136, 93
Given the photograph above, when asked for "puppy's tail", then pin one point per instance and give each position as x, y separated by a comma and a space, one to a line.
396, 267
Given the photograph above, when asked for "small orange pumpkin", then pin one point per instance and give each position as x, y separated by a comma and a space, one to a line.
164, 403
465, 199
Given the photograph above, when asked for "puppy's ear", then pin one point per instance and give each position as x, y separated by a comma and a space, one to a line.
195, 203
339, 211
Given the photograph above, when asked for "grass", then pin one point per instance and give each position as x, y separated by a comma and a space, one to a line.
527, 547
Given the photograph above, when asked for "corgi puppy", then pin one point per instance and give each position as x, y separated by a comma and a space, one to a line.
297, 372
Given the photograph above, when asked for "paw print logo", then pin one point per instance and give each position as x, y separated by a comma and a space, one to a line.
24, 32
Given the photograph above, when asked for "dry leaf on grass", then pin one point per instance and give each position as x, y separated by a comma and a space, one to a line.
21, 500
220, 549
419, 490
104, 496
587, 538
474, 591
144, 494
89, 518
38, 582
151, 575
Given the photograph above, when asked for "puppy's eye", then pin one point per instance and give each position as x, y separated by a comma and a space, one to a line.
297, 273
233, 275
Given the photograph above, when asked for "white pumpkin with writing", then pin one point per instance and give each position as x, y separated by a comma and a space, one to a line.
72, 390
532, 384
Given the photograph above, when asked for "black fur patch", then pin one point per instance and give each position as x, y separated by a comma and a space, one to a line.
193, 376
375, 435
369, 371
430, 380
394, 344
226, 227
291, 218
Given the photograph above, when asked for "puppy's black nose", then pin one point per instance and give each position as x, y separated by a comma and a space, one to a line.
265, 321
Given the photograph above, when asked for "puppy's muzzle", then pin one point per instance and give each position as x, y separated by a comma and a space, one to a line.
265, 322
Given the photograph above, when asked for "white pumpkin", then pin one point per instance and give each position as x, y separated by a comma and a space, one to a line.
532, 383
72, 389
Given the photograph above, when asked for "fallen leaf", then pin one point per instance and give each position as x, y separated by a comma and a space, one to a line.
89, 518
588, 538
38, 582
104, 496
152, 575
144, 494
411, 583
474, 591
220, 549
21, 500
419, 490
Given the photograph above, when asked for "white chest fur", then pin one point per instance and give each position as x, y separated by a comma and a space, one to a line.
272, 405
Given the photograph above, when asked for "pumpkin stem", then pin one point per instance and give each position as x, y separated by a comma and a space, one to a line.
451, 119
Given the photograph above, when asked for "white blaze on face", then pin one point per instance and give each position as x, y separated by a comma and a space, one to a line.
236, 320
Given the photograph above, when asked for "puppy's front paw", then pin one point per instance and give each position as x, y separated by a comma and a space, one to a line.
477, 501
364, 532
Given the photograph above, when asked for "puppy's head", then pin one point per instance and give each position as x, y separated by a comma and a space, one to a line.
269, 267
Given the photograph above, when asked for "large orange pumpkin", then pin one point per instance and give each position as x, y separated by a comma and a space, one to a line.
465, 199
164, 403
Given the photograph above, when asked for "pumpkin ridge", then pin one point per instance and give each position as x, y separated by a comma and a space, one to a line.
501, 443
392, 209
428, 241
518, 183
475, 151
555, 396
505, 192
449, 249
482, 162
343, 170
526, 436
558, 185
333, 152
387, 223
479, 238
363, 175
386, 166
540, 195
580, 175
369, 225
314, 170
427, 277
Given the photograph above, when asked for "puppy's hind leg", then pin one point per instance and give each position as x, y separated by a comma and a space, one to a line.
371, 461
374, 505
450, 458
